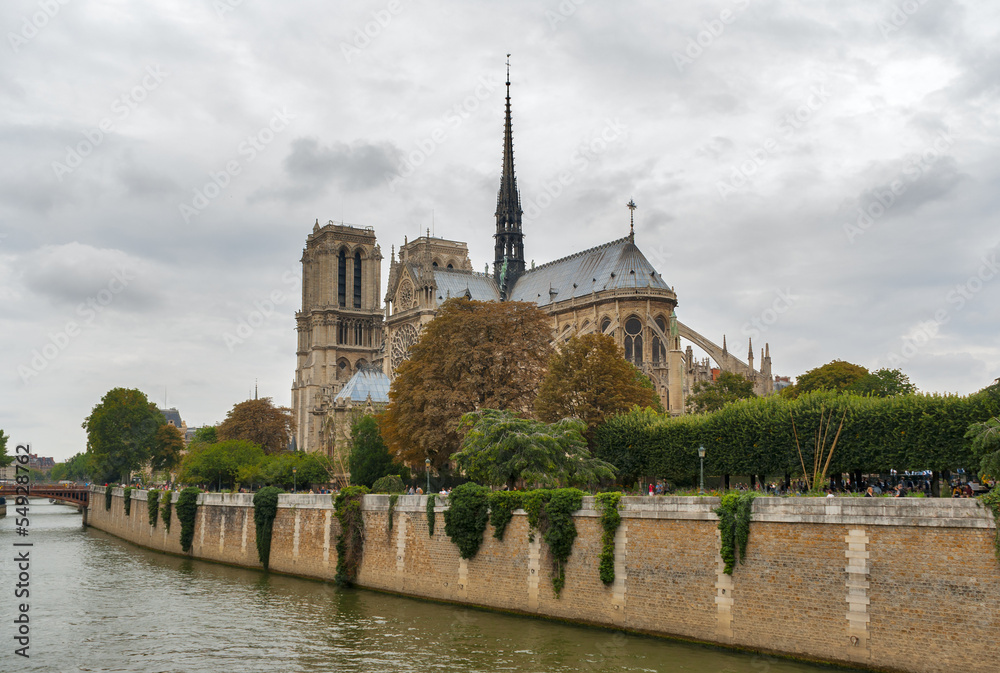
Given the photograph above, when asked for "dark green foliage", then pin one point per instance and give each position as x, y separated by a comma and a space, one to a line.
128, 501
153, 507
431, 514
350, 542
265, 508
393, 497
167, 508
391, 483
560, 531
121, 434
502, 506
992, 501
187, 508
108, 491
735, 511
466, 517
369, 458
607, 503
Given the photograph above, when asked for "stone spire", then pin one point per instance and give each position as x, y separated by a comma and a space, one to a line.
509, 241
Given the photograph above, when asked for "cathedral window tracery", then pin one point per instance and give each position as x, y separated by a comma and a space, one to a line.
633, 340
342, 278
357, 281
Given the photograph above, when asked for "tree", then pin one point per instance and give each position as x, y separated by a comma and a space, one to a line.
206, 435
76, 468
260, 422
5, 460
369, 458
837, 376
883, 383
707, 396
167, 452
121, 433
473, 355
223, 464
294, 469
985, 438
590, 379
502, 448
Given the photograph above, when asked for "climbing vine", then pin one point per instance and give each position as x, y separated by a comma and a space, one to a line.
166, 509
107, 497
431, 514
992, 501
152, 507
128, 501
560, 530
466, 517
502, 506
393, 497
265, 508
350, 542
534, 504
608, 504
187, 508
735, 511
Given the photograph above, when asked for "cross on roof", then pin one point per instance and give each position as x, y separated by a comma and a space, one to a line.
631, 216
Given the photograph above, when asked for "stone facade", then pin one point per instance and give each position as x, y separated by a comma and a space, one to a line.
900, 585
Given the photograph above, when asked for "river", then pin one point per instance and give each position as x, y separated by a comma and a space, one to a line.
98, 603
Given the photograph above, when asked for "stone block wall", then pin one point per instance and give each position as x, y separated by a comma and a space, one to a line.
893, 584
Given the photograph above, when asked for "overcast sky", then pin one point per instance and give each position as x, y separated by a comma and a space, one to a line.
819, 176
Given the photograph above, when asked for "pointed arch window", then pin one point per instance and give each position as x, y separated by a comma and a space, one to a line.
342, 279
357, 280
633, 340
659, 349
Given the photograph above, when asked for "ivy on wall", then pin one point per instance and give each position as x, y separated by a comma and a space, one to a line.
187, 508
550, 512
265, 509
607, 504
466, 517
992, 501
107, 497
502, 506
166, 509
350, 542
431, 514
128, 501
735, 511
393, 497
152, 507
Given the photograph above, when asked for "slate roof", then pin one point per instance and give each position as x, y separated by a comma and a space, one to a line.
172, 415
368, 380
615, 265
456, 283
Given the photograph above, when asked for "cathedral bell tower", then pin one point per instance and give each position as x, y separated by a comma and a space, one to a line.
508, 262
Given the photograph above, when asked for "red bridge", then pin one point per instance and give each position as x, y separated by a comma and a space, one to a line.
70, 495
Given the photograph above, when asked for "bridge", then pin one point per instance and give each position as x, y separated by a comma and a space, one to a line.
70, 495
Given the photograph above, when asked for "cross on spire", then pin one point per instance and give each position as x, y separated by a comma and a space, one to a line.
631, 217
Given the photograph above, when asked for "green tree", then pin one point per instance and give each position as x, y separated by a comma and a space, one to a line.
473, 355
277, 470
590, 379
121, 433
206, 435
76, 468
167, 451
883, 383
501, 448
837, 376
707, 396
222, 464
5, 459
260, 422
369, 458
985, 438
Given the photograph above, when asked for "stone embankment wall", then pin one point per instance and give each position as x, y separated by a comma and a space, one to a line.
905, 584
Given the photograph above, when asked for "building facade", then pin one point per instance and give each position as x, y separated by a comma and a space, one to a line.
610, 289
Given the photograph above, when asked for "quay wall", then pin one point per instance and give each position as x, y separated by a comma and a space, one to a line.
906, 584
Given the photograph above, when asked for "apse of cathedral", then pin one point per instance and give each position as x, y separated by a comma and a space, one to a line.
349, 345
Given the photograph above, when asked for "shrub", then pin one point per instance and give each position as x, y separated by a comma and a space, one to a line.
128, 501
108, 490
735, 511
265, 508
350, 542
431, 514
391, 483
165, 511
502, 506
187, 508
561, 530
608, 503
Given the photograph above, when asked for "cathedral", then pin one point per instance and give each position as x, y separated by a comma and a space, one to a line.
349, 345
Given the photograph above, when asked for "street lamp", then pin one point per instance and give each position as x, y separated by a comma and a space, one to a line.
701, 481
294, 479
427, 466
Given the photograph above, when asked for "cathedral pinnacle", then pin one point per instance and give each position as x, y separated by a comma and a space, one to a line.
509, 240
631, 218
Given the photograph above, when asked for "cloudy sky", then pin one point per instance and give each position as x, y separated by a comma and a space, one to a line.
819, 176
